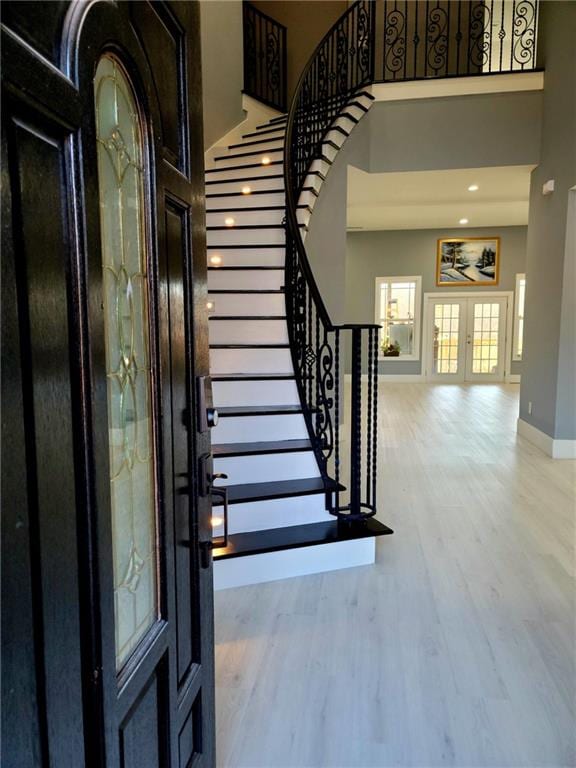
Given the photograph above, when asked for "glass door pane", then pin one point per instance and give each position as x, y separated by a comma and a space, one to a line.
485, 340
448, 319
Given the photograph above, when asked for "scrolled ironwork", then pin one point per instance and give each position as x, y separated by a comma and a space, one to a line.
450, 38
265, 67
341, 65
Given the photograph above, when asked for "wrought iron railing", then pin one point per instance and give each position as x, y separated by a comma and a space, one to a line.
374, 40
455, 38
341, 65
264, 58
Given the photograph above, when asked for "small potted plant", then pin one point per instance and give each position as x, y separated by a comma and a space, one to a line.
390, 349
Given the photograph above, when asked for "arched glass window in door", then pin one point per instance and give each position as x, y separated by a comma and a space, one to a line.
121, 155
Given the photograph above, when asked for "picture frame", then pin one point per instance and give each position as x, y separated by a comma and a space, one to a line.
468, 261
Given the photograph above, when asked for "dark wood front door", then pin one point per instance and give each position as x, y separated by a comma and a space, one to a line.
107, 635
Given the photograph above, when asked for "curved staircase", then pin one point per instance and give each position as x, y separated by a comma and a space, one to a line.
278, 521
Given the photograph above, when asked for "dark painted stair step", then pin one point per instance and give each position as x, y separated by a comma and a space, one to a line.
219, 228
252, 377
253, 207
258, 142
265, 131
242, 167
250, 153
278, 489
298, 536
244, 290
244, 179
233, 411
249, 346
255, 449
247, 317
244, 268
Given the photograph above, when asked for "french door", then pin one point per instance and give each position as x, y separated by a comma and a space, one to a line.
466, 338
107, 637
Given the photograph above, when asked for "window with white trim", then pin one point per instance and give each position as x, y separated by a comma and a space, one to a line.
398, 307
519, 298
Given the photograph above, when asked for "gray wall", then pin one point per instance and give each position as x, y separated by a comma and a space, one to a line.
549, 374
222, 67
413, 252
455, 132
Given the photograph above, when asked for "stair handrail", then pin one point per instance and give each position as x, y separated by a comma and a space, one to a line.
341, 65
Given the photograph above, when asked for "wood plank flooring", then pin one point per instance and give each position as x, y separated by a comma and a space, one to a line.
457, 648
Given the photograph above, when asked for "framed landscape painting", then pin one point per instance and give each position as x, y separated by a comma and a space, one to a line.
468, 261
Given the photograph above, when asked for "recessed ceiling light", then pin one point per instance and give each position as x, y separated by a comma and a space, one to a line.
246, 190
266, 160
473, 188
463, 221
209, 305
216, 260
229, 222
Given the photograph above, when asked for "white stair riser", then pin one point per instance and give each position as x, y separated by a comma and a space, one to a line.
231, 160
229, 174
250, 429
244, 201
271, 566
264, 143
250, 361
320, 165
233, 236
258, 257
245, 218
276, 513
248, 304
280, 392
257, 279
267, 468
256, 331
255, 184
270, 131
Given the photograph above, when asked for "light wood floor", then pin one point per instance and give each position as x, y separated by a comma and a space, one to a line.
457, 648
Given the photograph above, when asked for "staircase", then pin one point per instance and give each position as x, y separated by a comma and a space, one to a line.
278, 523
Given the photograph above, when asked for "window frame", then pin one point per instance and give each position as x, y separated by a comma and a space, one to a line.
417, 279
516, 330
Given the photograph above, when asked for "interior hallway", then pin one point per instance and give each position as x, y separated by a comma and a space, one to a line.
457, 648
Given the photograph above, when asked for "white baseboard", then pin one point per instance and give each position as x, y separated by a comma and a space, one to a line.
513, 378
557, 449
272, 566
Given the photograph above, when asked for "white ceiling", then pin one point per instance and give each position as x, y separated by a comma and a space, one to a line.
438, 199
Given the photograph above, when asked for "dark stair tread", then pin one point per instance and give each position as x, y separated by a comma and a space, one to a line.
242, 167
298, 536
252, 376
231, 411
277, 489
244, 179
243, 246
249, 346
247, 317
238, 227
255, 268
244, 290
241, 194
251, 208
264, 131
254, 449
250, 153
259, 141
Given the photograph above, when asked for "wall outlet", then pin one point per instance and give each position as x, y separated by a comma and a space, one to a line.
530, 407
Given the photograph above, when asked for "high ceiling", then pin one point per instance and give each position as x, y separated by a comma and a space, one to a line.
438, 199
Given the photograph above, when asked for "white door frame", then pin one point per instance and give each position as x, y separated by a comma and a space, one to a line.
439, 296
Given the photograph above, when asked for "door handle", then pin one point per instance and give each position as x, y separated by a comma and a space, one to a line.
206, 547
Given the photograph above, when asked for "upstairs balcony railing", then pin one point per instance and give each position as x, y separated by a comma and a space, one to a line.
383, 40
455, 38
264, 58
